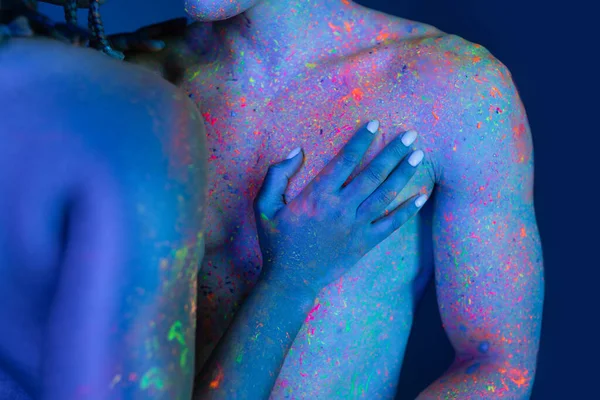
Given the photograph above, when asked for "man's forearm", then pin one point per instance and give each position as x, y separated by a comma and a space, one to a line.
248, 359
481, 379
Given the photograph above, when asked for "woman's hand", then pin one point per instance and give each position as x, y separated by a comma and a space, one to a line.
313, 240
160, 48
148, 39
307, 244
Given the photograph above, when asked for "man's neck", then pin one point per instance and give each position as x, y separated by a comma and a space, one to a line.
273, 31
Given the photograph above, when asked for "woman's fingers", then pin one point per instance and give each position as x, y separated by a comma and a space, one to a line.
385, 226
374, 206
270, 196
337, 171
380, 167
148, 38
132, 42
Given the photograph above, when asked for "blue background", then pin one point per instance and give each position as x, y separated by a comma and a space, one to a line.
551, 50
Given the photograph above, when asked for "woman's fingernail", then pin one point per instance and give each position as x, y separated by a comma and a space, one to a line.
373, 126
421, 200
409, 137
415, 158
293, 153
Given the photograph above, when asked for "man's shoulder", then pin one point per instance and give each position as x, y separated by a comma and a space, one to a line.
461, 81
462, 96
448, 62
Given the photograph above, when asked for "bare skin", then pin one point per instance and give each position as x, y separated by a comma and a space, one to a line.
98, 294
330, 65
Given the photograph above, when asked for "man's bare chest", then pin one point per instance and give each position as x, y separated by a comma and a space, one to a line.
249, 129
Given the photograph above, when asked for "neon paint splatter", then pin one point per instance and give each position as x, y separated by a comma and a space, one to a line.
327, 67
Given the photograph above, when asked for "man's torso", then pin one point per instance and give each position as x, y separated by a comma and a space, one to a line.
352, 343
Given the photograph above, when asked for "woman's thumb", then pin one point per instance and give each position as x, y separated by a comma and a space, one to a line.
270, 195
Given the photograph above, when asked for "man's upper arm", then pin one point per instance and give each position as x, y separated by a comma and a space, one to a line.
487, 248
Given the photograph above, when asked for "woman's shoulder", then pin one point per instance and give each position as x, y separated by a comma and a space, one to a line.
27, 60
50, 74
49, 89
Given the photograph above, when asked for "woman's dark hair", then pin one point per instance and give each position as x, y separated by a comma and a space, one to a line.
42, 25
98, 37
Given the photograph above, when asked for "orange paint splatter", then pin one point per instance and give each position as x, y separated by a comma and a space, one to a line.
356, 94
382, 36
517, 377
523, 232
495, 92
215, 383
333, 27
522, 144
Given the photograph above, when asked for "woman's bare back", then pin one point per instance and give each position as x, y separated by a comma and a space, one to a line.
101, 191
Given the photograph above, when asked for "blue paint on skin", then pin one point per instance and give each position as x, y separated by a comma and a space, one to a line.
484, 347
472, 369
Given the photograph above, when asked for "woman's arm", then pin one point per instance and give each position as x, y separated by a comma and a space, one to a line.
247, 360
306, 245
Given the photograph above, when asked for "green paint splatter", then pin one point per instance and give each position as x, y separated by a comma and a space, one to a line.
366, 389
153, 377
181, 254
183, 358
175, 333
